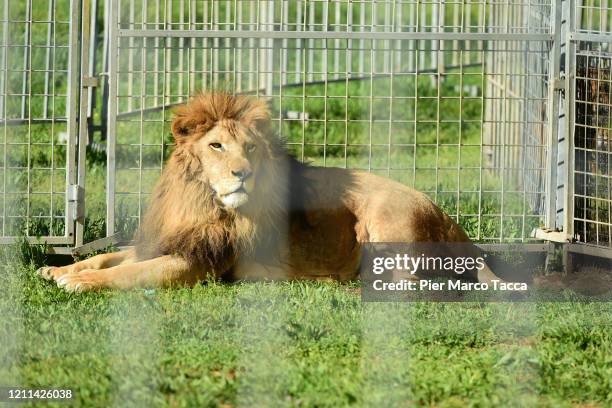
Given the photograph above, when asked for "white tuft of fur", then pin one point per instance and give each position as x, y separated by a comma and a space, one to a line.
235, 200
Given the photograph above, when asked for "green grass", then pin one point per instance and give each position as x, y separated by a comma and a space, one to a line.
299, 344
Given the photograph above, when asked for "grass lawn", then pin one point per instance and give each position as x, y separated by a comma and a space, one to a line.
299, 344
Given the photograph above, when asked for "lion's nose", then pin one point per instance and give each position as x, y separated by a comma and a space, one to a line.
242, 174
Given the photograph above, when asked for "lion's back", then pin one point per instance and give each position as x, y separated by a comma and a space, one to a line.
384, 209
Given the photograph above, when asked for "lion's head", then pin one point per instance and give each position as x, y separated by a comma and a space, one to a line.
224, 186
225, 139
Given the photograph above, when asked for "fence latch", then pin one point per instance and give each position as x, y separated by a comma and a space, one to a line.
559, 85
90, 81
76, 199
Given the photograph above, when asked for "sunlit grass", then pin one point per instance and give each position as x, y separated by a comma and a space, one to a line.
307, 344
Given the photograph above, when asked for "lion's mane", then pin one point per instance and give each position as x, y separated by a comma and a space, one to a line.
183, 218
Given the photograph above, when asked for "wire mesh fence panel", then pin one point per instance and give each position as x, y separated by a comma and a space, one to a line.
377, 86
36, 119
516, 119
593, 16
592, 150
590, 178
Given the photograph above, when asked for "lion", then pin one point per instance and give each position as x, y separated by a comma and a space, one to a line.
232, 204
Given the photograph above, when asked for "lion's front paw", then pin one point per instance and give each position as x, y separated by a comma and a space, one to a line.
81, 282
50, 272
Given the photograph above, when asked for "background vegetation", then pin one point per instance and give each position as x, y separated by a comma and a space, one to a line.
431, 136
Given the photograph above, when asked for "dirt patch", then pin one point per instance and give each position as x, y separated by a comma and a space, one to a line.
587, 281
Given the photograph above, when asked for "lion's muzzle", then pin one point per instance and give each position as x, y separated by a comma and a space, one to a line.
232, 194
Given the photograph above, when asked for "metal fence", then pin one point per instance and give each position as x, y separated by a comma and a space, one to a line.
498, 109
433, 94
38, 84
591, 55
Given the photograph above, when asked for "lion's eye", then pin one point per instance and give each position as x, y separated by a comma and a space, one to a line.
216, 146
251, 148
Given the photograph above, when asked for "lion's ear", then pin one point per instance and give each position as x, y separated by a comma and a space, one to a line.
182, 127
258, 116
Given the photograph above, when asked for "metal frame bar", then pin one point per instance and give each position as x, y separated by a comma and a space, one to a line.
113, 55
601, 38
570, 77
332, 35
586, 249
72, 118
38, 240
537, 247
554, 95
84, 111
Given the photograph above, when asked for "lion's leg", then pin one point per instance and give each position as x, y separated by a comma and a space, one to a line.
164, 271
460, 248
96, 262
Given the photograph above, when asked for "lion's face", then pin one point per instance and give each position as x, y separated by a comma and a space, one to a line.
230, 158
223, 141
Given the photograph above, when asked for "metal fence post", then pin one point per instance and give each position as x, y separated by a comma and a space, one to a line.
72, 194
113, 55
87, 85
554, 96
570, 66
